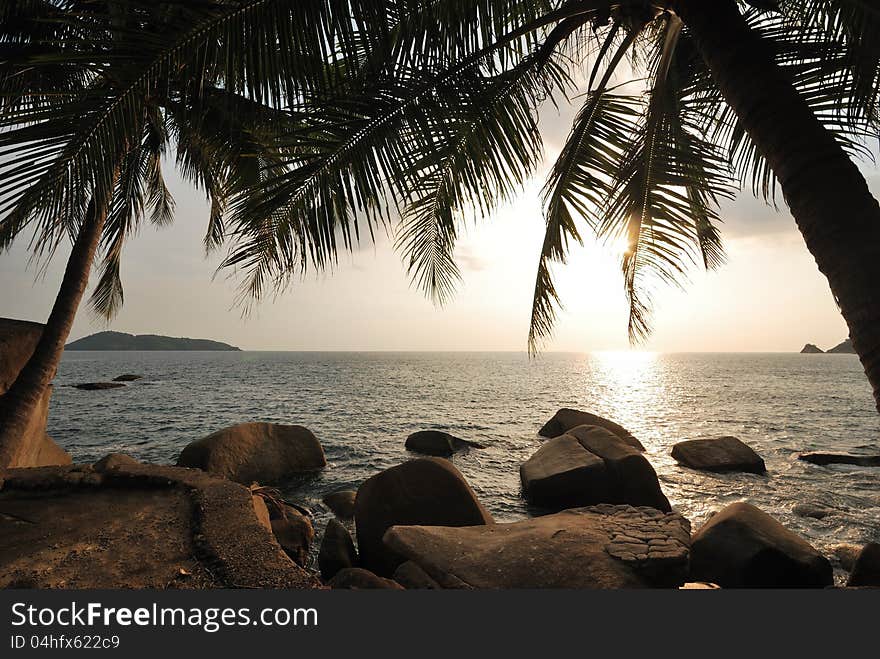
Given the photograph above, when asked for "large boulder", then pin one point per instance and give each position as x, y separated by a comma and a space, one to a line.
18, 339
744, 547
598, 547
356, 578
566, 419
293, 531
824, 459
590, 465
718, 454
426, 491
563, 474
438, 443
866, 571
337, 550
250, 452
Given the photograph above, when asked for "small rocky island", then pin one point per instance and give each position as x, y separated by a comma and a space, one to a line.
842, 348
123, 341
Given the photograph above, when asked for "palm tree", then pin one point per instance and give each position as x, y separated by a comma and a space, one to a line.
437, 118
92, 97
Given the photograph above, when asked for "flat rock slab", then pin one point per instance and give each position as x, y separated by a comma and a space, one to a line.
840, 459
99, 386
122, 524
602, 546
718, 454
127, 377
565, 419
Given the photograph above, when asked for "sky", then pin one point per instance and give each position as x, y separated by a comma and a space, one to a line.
768, 297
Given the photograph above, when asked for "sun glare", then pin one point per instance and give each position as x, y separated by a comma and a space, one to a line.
619, 246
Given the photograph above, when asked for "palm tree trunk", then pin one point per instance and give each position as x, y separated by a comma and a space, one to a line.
19, 403
827, 194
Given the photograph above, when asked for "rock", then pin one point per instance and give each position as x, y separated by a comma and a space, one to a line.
846, 553
294, 532
844, 348
597, 547
337, 550
566, 419
18, 339
262, 511
427, 491
438, 443
251, 452
814, 510
700, 585
98, 386
810, 349
563, 474
718, 454
341, 503
744, 547
115, 461
412, 577
127, 377
866, 571
355, 578
631, 477
840, 459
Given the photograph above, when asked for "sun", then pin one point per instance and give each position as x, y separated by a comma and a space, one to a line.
619, 246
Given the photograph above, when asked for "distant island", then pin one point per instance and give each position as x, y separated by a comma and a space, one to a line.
123, 341
843, 348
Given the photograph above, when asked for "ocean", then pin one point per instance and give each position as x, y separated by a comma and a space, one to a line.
362, 406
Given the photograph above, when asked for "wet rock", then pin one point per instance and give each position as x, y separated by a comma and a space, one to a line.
563, 474
355, 578
427, 491
846, 554
718, 454
813, 510
250, 452
597, 547
566, 419
337, 550
98, 386
341, 503
631, 477
866, 571
840, 459
127, 377
437, 443
744, 547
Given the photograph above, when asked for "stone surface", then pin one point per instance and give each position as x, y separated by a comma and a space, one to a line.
99, 386
341, 503
718, 454
250, 452
114, 461
813, 510
427, 491
18, 339
262, 512
811, 349
355, 578
563, 474
846, 554
135, 526
566, 419
437, 443
866, 571
840, 459
744, 547
412, 577
295, 533
337, 550
127, 377
631, 477
602, 546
